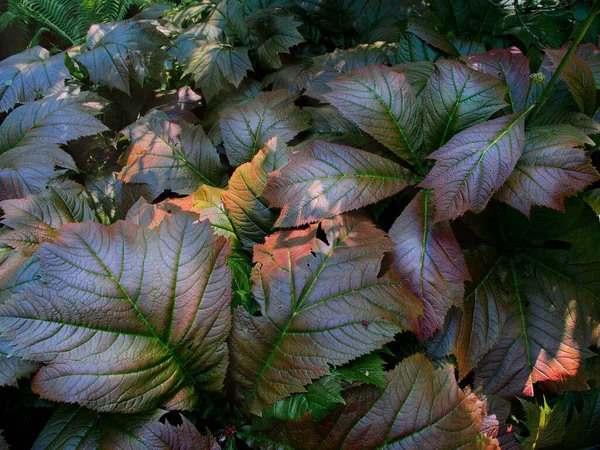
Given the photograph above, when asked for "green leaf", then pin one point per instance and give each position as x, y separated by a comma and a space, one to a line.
457, 98
152, 324
324, 179
546, 425
247, 128
73, 427
29, 74
171, 155
208, 204
427, 33
229, 16
315, 295
382, 104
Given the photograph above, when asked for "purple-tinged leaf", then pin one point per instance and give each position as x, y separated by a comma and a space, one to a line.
428, 256
316, 294
55, 119
170, 155
131, 317
247, 128
17, 271
246, 207
416, 74
325, 179
553, 166
508, 65
81, 428
473, 165
382, 104
12, 368
457, 98
29, 74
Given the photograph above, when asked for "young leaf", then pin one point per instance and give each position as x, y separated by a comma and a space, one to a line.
457, 98
508, 65
74, 427
170, 155
382, 104
118, 51
55, 119
473, 165
133, 317
428, 256
546, 425
324, 179
551, 167
247, 128
29, 74
316, 294
208, 203
246, 207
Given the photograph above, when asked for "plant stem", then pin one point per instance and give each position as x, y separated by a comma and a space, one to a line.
550, 86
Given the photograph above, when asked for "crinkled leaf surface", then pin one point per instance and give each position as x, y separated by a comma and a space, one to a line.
81, 428
382, 103
173, 155
314, 295
553, 166
508, 65
16, 272
473, 165
55, 119
326, 179
12, 367
21, 172
457, 98
246, 207
129, 316
118, 51
29, 74
247, 128
428, 256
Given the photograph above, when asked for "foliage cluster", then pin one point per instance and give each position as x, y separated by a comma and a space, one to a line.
314, 224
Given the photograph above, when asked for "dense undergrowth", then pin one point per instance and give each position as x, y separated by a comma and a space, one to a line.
282, 224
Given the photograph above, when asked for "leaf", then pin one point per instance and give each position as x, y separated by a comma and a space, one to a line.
428, 256
314, 295
21, 172
424, 30
215, 65
247, 128
246, 207
153, 322
579, 78
73, 427
30, 74
55, 119
457, 98
118, 51
553, 166
229, 16
473, 165
171, 155
38, 218
416, 74
17, 271
548, 331
12, 368
412, 49
546, 425
382, 104
324, 179
208, 204
583, 427
592, 197
508, 65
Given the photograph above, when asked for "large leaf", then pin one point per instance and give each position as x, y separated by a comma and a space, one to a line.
428, 256
246, 207
118, 51
132, 317
247, 128
73, 427
508, 65
170, 155
55, 119
215, 65
381, 102
21, 172
30, 74
473, 165
322, 304
553, 166
324, 179
457, 98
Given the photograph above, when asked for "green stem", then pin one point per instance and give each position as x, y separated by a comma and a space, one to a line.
550, 86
